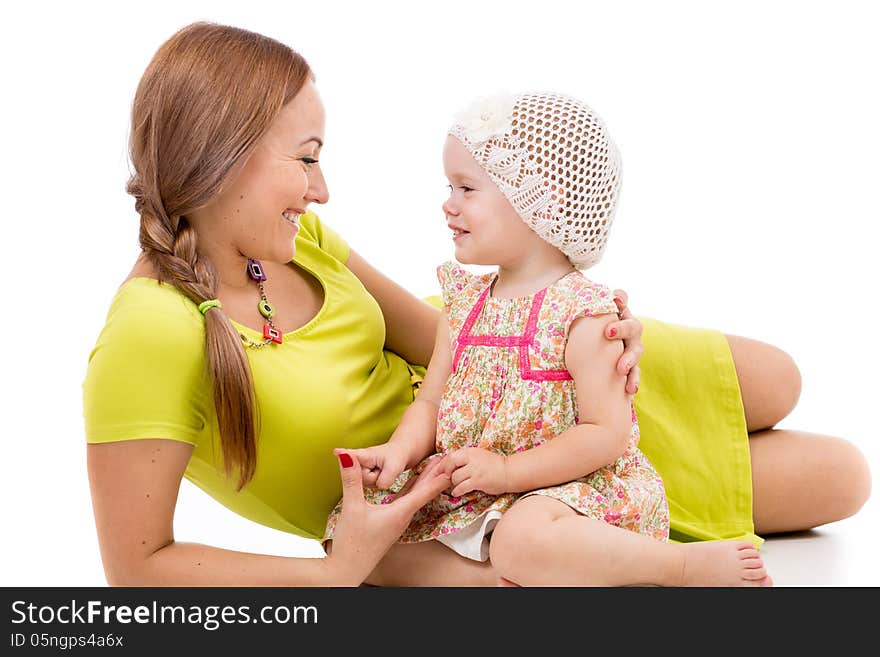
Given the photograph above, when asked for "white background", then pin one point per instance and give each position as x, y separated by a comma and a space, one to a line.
750, 142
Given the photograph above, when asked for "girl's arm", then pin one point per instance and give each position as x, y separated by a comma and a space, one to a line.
134, 485
410, 323
419, 423
604, 410
416, 434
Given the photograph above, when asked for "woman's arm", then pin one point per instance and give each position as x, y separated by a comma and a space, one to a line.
418, 426
134, 487
604, 413
415, 435
410, 323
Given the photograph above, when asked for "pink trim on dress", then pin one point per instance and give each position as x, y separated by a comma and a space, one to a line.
523, 341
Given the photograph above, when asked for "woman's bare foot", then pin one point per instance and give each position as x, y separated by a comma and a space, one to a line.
723, 563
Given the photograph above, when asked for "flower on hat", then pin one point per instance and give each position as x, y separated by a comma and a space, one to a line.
487, 117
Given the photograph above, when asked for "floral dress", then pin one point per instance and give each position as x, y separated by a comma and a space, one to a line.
508, 392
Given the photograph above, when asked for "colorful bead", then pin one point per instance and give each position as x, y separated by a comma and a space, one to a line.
255, 270
266, 309
272, 333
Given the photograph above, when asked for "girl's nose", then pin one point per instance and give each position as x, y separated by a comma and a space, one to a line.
449, 207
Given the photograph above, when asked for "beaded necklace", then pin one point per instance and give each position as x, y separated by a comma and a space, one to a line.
270, 333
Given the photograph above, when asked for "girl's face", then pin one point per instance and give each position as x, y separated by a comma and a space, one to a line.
256, 214
485, 228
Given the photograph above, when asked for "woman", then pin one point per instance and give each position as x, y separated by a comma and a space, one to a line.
204, 376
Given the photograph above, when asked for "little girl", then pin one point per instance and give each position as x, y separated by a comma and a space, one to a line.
521, 400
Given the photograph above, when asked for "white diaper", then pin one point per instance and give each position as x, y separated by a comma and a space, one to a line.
472, 542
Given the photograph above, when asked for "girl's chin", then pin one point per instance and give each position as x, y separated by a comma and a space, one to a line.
465, 258
462, 255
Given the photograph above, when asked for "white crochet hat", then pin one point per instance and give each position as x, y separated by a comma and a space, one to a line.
552, 159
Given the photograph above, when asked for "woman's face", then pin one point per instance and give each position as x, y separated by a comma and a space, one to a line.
257, 213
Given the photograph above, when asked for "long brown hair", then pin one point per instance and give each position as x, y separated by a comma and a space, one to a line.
207, 97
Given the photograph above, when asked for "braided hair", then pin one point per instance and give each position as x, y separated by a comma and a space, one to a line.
207, 97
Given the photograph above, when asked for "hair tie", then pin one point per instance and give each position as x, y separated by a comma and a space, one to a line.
205, 306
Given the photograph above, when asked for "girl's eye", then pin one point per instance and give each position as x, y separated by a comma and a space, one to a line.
463, 188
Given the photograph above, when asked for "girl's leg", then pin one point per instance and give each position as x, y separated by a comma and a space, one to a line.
800, 480
542, 542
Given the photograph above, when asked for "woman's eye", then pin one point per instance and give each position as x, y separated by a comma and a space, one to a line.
309, 161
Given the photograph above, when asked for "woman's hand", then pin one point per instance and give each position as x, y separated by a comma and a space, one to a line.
382, 464
364, 531
628, 329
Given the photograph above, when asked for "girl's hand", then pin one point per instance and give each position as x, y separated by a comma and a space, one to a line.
364, 532
381, 464
628, 329
474, 468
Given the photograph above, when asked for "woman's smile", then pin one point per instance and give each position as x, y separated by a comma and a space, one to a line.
292, 217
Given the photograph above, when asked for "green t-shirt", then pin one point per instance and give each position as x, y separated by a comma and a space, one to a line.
330, 384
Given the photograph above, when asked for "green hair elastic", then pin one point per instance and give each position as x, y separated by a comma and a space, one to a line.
205, 306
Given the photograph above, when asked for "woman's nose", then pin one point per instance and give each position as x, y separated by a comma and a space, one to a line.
317, 191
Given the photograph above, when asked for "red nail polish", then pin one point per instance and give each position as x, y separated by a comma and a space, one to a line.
346, 460
612, 332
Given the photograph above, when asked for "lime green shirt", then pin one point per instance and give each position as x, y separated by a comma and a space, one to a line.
330, 384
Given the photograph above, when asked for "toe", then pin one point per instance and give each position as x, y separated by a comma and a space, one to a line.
753, 574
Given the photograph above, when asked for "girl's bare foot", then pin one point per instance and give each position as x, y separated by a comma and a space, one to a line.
723, 563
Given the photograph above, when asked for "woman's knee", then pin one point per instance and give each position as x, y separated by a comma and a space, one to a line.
786, 372
803, 480
852, 476
769, 379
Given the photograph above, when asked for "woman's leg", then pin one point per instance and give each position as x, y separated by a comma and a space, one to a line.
769, 381
800, 480
430, 564
542, 542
